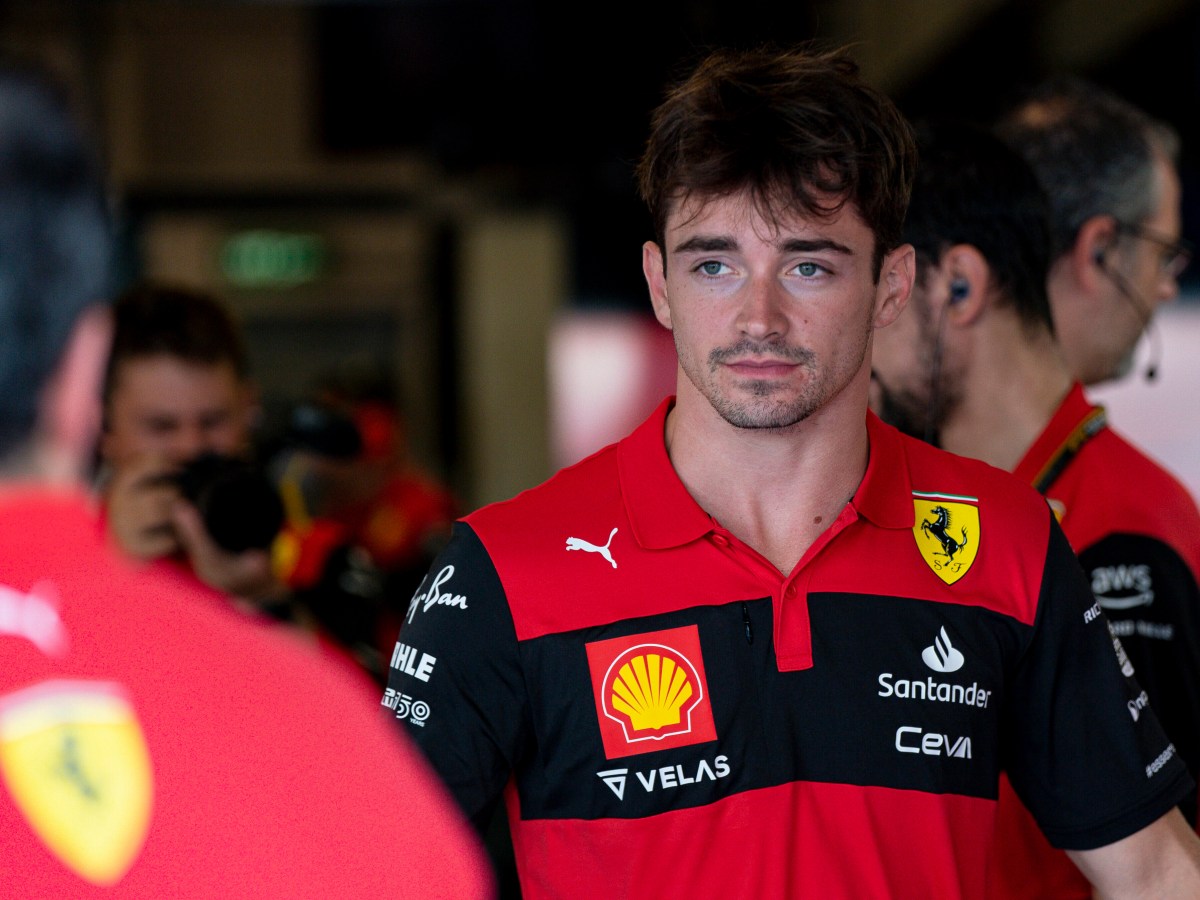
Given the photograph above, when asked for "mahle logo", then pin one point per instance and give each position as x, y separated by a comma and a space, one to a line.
650, 691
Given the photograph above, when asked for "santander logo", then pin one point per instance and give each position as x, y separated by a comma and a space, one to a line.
943, 656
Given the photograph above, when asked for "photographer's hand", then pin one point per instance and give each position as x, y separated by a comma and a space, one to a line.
247, 575
138, 509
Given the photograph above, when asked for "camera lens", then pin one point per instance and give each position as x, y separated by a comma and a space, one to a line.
240, 507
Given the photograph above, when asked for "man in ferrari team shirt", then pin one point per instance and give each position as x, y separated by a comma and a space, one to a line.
973, 365
766, 645
148, 746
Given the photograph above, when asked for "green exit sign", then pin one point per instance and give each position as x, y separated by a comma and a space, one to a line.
265, 258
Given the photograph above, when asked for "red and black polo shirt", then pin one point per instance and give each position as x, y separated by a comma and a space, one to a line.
673, 716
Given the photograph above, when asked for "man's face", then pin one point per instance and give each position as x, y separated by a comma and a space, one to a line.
174, 409
902, 369
917, 372
772, 321
1143, 281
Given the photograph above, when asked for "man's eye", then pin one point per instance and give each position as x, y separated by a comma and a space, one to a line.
808, 269
710, 267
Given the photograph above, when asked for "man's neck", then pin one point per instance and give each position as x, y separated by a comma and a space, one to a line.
1014, 384
775, 489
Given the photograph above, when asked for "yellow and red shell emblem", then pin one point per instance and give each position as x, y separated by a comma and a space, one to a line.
650, 691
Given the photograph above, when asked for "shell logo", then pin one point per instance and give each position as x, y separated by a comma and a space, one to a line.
650, 691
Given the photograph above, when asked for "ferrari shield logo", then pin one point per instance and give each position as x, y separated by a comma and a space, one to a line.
75, 762
947, 533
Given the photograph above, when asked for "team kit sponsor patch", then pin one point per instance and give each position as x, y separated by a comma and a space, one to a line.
651, 692
947, 533
75, 760
423, 601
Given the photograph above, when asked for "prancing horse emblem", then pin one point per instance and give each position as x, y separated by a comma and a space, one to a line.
574, 543
938, 529
946, 529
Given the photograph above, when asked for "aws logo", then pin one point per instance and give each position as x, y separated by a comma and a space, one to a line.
651, 692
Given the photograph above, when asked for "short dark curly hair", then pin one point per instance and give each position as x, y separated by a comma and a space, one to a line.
794, 128
153, 319
971, 188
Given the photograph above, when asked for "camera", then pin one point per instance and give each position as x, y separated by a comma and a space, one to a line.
240, 506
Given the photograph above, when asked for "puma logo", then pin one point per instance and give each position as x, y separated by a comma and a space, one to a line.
574, 543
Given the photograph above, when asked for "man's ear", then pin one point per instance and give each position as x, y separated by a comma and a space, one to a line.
895, 285
1090, 254
655, 269
69, 406
967, 278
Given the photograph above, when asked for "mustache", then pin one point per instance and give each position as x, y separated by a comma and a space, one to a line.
764, 349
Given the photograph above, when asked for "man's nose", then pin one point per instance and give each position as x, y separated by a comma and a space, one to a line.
188, 443
762, 313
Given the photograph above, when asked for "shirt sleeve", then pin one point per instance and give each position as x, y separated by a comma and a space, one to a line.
1151, 598
455, 678
1084, 751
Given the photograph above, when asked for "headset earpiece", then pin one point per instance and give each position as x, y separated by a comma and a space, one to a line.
959, 290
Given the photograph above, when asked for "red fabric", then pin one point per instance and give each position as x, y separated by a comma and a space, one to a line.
273, 773
638, 478
397, 528
795, 840
306, 551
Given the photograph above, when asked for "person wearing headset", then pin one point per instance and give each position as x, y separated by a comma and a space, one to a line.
973, 365
1109, 173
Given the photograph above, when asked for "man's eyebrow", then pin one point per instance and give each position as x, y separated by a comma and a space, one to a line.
702, 243
796, 245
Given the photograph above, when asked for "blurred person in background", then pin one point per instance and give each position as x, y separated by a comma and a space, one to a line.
148, 746
177, 390
1109, 171
363, 520
972, 365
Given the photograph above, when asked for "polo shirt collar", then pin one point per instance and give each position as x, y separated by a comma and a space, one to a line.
1069, 415
884, 497
661, 511
663, 514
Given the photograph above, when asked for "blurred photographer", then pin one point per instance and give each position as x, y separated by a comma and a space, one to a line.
177, 389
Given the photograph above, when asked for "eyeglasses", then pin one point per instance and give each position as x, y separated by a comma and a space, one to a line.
1174, 256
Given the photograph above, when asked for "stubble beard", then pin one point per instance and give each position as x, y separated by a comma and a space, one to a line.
921, 413
903, 410
762, 404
